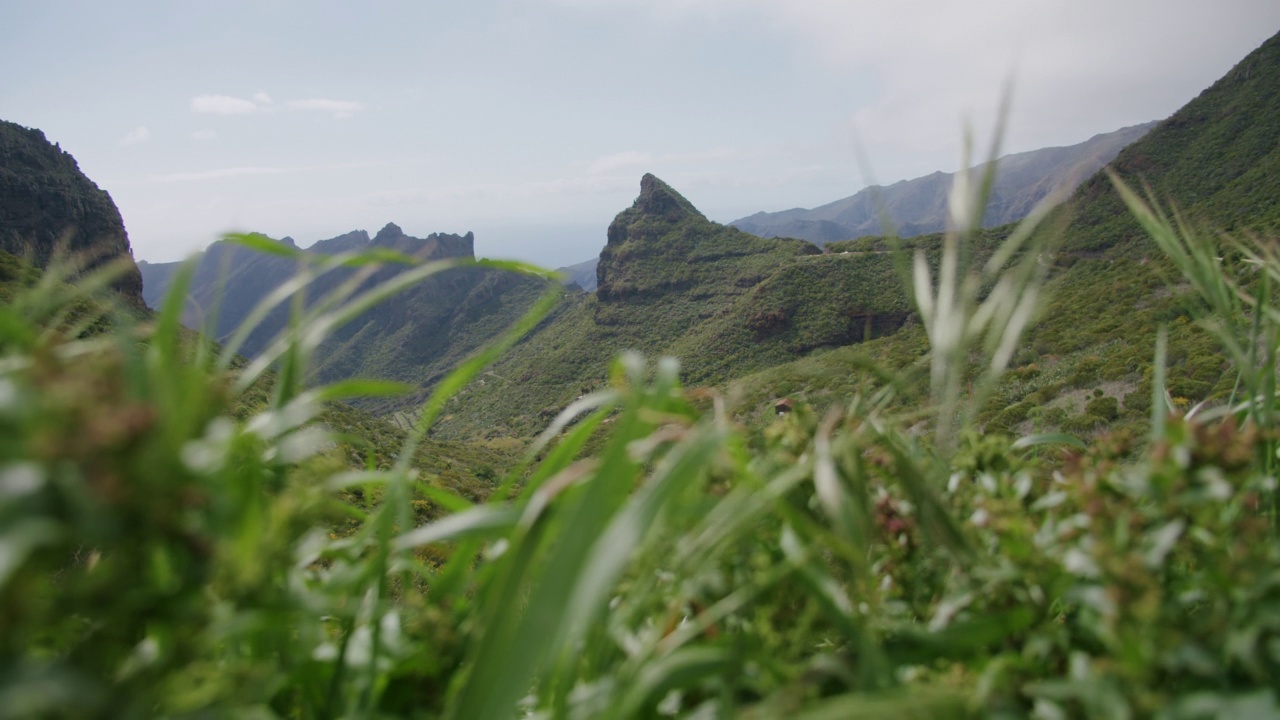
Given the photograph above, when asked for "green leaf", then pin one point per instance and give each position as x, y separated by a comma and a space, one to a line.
263, 244
480, 520
681, 669
1030, 441
362, 389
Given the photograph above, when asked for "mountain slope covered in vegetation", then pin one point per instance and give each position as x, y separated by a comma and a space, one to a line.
1217, 161
671, 282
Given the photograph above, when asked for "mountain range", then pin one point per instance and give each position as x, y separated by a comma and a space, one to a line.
919, 206
772, 316
807, 320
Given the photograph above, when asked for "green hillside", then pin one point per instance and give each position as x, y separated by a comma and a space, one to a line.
1217, 160
672, 282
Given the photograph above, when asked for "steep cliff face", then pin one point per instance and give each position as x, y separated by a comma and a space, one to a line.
49, 208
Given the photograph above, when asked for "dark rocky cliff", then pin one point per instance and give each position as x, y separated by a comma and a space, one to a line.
49, 208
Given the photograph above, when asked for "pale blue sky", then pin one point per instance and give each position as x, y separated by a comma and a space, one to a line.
530, 122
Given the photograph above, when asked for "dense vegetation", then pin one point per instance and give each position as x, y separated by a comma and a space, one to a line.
185, 536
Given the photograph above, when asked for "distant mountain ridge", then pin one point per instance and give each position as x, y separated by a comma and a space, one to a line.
416, 336
919, 206
582, 274
48, 206
230, 280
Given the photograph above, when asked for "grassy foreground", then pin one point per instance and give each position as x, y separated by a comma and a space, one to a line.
173, 542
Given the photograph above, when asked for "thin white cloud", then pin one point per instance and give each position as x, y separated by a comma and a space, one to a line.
634, 161
220, 173
341, 109
222, 105
241, 171
139, 134
204, 135
262, 103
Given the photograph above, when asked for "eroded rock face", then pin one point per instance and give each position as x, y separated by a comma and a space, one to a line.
48, 208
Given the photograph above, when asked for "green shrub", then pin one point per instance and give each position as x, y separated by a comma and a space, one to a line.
1105, 407
1085, 423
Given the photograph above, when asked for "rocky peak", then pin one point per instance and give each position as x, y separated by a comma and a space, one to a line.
659, 198
659, 229
433, 247
354, 240
450, 245
388, 235
658, 202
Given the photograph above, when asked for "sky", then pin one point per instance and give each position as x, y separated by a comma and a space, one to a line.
530, 122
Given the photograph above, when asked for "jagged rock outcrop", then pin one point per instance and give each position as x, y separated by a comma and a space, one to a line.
415, 337
231, 280
49, 208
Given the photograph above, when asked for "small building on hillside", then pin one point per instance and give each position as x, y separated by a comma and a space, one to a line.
783, 406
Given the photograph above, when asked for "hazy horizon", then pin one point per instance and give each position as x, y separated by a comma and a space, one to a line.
530, 123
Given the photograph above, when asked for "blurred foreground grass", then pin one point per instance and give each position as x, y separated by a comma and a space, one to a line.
174, 540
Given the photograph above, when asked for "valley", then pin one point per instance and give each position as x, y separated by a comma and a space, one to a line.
995, 443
